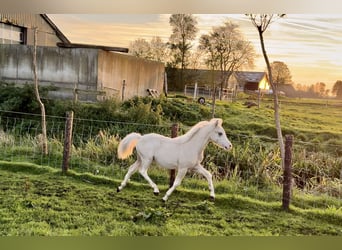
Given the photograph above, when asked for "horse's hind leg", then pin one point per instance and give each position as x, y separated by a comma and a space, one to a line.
143, 171
131, 170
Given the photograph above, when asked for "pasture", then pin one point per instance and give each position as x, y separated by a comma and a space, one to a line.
37, 199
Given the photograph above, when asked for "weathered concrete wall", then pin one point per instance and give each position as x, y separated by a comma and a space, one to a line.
82, 73
139, 75
66, 69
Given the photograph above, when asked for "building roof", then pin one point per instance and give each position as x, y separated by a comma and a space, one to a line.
92, 46
32, 20
249, 76
67, 44
59, 33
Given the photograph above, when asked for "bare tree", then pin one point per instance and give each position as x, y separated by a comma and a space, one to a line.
212, 62
159, 50
184, 31
262, 22
227, 49
140, 48
36, 87
155, 50
211, 59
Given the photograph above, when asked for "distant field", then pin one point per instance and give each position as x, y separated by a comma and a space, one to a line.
314, 120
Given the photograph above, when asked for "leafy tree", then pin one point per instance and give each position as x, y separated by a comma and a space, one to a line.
211, 59
281, 73
184, 31
320, 89
337, 89
261, 23
227, 49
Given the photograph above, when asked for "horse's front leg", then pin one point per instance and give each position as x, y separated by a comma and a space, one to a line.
179, 177
201, 170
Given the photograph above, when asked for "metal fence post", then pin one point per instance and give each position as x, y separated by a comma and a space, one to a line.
174, 133
287, 183
67, 141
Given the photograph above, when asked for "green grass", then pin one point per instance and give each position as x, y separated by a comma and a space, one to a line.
309, 121
39, 200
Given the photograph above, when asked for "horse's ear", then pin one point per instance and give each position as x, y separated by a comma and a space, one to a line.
218, 122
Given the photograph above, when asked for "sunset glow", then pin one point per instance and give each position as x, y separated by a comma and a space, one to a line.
310, 44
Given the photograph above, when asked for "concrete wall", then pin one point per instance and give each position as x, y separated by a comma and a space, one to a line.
65, 69
94, 74
139, 75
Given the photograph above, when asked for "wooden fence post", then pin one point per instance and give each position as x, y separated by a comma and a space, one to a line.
123, 90
174, 133
67, 141
287, 183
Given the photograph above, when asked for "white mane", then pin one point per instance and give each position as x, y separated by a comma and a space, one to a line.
194, 130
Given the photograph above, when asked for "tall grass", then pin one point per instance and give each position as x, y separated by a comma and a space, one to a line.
250, 162
317, 155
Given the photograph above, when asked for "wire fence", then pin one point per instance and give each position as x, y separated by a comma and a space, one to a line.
95, 143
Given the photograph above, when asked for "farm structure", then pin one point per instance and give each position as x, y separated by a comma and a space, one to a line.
77, 71
250, 81
19, 29
240, 81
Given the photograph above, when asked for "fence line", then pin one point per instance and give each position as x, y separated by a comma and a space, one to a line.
165, 126
26, 134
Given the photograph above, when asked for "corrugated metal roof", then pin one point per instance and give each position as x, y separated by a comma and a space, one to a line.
249, 76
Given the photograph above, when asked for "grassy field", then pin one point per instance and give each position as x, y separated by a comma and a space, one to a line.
37, 200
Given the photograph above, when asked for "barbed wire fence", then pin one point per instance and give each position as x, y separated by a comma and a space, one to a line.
94, 144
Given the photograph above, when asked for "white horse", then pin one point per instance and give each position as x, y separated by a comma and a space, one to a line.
180, 153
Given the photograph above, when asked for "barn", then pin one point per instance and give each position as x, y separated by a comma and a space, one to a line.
77, 71
251, 80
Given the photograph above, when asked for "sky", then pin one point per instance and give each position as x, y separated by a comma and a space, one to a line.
309, 44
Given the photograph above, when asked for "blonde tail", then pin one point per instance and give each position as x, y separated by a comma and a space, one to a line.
127, 144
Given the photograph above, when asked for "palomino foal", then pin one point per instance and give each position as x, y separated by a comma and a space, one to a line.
180, 153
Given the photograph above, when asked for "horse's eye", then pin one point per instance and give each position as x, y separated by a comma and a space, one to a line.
220, 133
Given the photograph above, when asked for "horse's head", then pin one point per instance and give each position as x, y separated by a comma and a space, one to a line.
218, 135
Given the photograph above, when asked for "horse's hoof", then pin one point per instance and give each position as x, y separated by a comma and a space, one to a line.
212, 198
118, 190
156, 193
